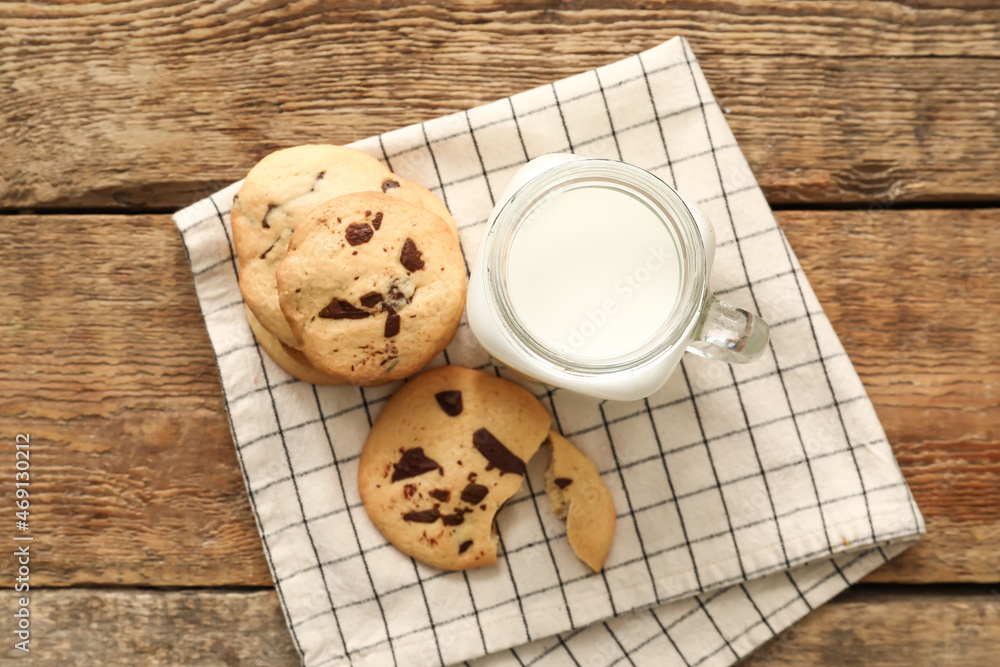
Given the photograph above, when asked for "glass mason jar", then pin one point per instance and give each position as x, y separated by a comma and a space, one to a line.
593, 275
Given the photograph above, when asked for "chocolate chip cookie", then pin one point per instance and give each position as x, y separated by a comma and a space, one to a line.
430, 202
372, 287
276, 196
291, 360
449, 448
579, 495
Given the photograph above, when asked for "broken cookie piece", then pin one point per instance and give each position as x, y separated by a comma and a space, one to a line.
446, 452
580, 497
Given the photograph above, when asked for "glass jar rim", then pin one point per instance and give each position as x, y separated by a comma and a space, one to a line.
673, 213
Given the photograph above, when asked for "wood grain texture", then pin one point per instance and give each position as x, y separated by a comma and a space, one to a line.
156, 105
912, 295
209, 627
892, 627
107, 364
141, 627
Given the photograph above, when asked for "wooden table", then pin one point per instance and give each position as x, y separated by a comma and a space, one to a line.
873, 127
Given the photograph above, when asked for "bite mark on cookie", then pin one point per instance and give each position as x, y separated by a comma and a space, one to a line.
496, 453
450, 402
413, 463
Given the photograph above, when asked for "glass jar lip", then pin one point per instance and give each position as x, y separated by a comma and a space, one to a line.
671, 210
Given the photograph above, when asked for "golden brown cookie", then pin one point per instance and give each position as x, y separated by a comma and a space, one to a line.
372, 288
430, 202
449, 448
276, 196
291, 360
580, 497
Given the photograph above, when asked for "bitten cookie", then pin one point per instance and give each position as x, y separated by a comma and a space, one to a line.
449, 448
579, 495
372, 288
290, 359
276, 196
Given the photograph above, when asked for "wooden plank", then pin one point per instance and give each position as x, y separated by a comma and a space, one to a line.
107, 364
911, 308
892, 627
864, 626
145, 627
831, 101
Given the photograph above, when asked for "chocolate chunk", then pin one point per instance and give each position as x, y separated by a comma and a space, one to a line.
338, 309
563, 482
410, 256
359, 233
414, 462
424, 516
464, 546
371, 299
440, 494
452, 519
409, 490
367, 213
377, 221
319, 177
391, 321
474, 493
450, 402
499, 456
389, 184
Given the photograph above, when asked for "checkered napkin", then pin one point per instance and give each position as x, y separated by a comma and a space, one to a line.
747, 495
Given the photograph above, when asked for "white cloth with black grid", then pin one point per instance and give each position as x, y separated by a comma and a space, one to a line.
747, 495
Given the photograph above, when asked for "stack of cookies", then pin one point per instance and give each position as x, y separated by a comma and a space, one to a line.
354, 275
350, 273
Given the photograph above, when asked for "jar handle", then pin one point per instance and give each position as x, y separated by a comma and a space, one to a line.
728, 333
